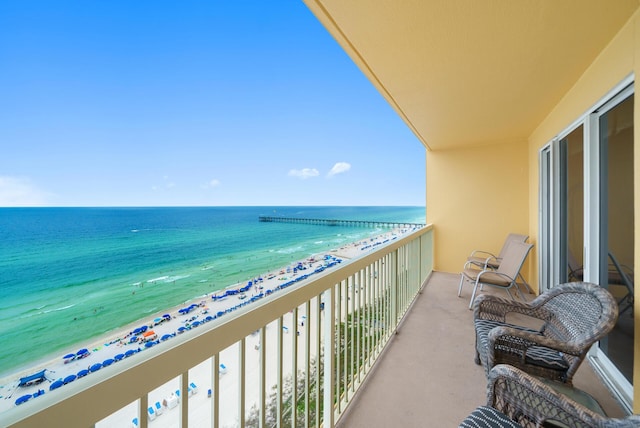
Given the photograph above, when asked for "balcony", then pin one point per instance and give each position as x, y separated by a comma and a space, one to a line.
379, 341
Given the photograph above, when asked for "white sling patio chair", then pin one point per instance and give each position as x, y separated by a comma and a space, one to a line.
488, 260
504, 276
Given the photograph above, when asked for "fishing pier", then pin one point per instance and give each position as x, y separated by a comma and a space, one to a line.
333, 222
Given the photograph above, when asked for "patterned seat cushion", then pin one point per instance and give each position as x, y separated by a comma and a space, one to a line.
536, 355
545, 357
488, 417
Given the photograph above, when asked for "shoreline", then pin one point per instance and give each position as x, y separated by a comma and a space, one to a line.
112, 343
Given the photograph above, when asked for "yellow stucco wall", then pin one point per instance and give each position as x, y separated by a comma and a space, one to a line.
475, 197
612, 66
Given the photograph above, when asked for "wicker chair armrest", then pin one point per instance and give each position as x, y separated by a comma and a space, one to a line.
488, 306
523, 397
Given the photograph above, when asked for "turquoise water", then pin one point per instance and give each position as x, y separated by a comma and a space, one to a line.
70, 274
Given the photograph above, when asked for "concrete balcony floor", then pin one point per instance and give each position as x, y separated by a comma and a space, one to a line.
427, 376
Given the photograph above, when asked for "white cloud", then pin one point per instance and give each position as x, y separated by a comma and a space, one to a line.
167, 184
19, 191
211, 184
304, 173
339, 168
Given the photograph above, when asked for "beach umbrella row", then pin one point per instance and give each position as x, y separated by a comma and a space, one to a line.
140, 329
55, 385
27, 397
82, 373
23, 399
188, 309
82, 353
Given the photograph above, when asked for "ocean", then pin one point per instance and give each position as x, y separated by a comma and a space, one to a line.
68, 275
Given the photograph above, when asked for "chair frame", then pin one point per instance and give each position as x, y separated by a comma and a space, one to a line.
504, 277
491, 261
533, 404
574, 316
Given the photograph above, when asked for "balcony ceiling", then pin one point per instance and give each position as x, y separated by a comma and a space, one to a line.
463, 72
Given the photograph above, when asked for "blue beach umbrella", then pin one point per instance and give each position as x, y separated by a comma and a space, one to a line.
23, 399
107, 362
69, 379
166, 337
95, 367
118, 357
129, 353
82, 373
149, 344
55, 385
66, 357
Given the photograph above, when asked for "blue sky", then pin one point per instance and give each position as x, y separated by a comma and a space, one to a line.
162, 103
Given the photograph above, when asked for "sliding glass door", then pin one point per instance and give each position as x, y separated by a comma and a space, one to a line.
587, 221
616, 250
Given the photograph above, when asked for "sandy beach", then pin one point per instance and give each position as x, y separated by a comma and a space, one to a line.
143, 334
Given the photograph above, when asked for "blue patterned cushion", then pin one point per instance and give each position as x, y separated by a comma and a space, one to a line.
536, 355
483, 327
545, 357
488, 417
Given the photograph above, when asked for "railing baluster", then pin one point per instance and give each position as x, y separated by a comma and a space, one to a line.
144, 405
294, 368
354, 326
367, 294
336, 356
329, 358
184, 399
307, 358
394, 289
215, 390
344, 344
241, 381
319, 361
359, 358
279, 357
262, 348
376, 283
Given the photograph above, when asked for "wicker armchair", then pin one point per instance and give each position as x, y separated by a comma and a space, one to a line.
570, 317
532, 403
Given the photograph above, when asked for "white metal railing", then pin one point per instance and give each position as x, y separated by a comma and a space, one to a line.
294, 358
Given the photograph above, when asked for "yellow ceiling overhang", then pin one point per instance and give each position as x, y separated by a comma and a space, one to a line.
472, 72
